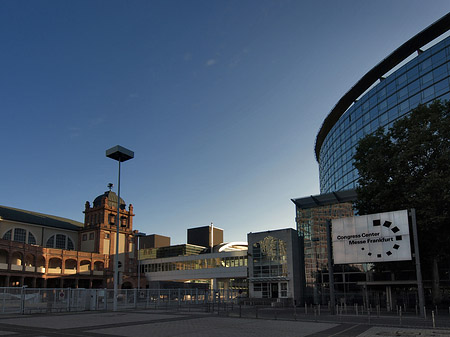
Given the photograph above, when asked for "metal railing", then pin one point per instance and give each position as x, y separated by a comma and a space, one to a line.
42, 300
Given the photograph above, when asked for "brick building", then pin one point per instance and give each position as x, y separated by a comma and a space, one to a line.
41, 250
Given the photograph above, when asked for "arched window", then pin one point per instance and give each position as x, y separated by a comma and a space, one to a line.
50, 242
31, 239
60, 241
20, 235
7, 235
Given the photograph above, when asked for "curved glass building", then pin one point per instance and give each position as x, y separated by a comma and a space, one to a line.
377, 100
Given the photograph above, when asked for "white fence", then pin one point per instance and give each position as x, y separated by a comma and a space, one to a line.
38, 300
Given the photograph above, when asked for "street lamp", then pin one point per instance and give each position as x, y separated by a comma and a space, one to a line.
139, 234
120, 154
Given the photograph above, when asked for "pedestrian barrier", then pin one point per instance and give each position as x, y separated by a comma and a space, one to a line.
42, 300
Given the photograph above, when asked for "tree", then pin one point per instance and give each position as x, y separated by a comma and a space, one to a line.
408, 166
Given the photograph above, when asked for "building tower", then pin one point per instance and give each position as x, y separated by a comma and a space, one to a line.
99, 233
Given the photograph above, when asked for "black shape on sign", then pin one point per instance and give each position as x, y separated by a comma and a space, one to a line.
387, 224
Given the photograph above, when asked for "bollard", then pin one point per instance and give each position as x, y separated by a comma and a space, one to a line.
356, 309
432, 318
378, 310
400, 316
306, 308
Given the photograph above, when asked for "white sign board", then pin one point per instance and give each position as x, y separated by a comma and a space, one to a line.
371, 238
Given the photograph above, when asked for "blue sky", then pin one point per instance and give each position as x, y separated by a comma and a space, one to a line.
220, 100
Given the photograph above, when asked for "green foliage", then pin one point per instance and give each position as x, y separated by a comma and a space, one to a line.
408, 166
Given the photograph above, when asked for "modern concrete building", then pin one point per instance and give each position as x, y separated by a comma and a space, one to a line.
205, 236
275, 265
154, 241
383, 95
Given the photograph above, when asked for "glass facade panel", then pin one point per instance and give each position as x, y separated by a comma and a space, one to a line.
420, 81
200, 263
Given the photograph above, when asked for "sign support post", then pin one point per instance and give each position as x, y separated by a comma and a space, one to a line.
330, 269
417, 261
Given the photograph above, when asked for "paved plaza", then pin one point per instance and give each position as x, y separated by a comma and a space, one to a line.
167, 324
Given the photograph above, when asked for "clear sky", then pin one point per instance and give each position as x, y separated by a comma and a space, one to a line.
220, 100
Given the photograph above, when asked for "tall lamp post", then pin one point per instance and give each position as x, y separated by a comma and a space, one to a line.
120, 154
139, 234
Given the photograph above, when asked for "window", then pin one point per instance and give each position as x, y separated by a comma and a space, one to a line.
426, 94
31, 239
106, 235
426, 78
283, 289
265, 290
84, 237
401, 79
425, 64
20, 234
402, 93
50, 242
7, 235
91, 236
60, 241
